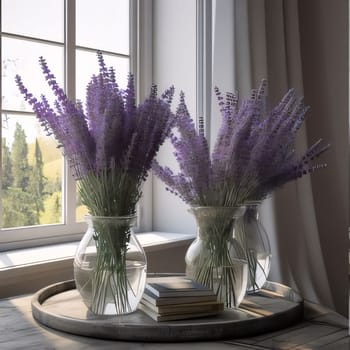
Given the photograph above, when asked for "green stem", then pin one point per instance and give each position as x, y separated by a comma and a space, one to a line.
109, 279
216, 271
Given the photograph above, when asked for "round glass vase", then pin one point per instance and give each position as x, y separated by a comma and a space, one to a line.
215, 258
110, 266
255, 242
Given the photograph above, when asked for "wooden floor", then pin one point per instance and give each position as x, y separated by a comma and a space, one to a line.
321, 329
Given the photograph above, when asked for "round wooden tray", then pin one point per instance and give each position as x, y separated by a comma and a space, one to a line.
60, 306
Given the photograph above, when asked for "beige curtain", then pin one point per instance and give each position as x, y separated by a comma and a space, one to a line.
307, 232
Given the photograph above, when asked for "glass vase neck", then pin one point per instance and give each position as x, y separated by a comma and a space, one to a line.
252, 210
129, 220
210, 211
216, 223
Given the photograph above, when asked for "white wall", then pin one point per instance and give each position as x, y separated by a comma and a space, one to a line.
174, 63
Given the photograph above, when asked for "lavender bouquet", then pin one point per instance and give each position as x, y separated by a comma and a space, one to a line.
110, 149
214, 186
254, 152
273, 161
253, 156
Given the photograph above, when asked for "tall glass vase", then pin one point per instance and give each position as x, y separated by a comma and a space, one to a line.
215, 258
253, 237
110, 266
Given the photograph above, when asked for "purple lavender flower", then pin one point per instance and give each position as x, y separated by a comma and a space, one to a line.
273, 156
110, 147
253, 154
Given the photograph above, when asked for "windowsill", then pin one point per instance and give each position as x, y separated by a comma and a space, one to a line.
151, 241
27, 270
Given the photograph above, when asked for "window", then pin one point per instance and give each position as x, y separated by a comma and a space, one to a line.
39, 201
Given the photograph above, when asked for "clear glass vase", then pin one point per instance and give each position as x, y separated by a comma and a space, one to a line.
253, 238
215, 258
110, 266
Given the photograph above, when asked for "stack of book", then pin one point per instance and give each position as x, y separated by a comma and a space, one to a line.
177, 298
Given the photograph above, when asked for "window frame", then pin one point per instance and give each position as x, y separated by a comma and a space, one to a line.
139, 40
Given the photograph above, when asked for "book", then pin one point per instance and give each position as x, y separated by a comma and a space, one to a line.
185, 308
153, 299
173, 286
178, 316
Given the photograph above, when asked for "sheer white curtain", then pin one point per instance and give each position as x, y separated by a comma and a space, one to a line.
260, 39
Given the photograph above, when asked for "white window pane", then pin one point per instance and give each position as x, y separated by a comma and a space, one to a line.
87, 65
31, 174
36, 18
103, 24
22, 57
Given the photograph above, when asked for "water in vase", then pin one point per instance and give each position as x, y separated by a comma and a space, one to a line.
136, 278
